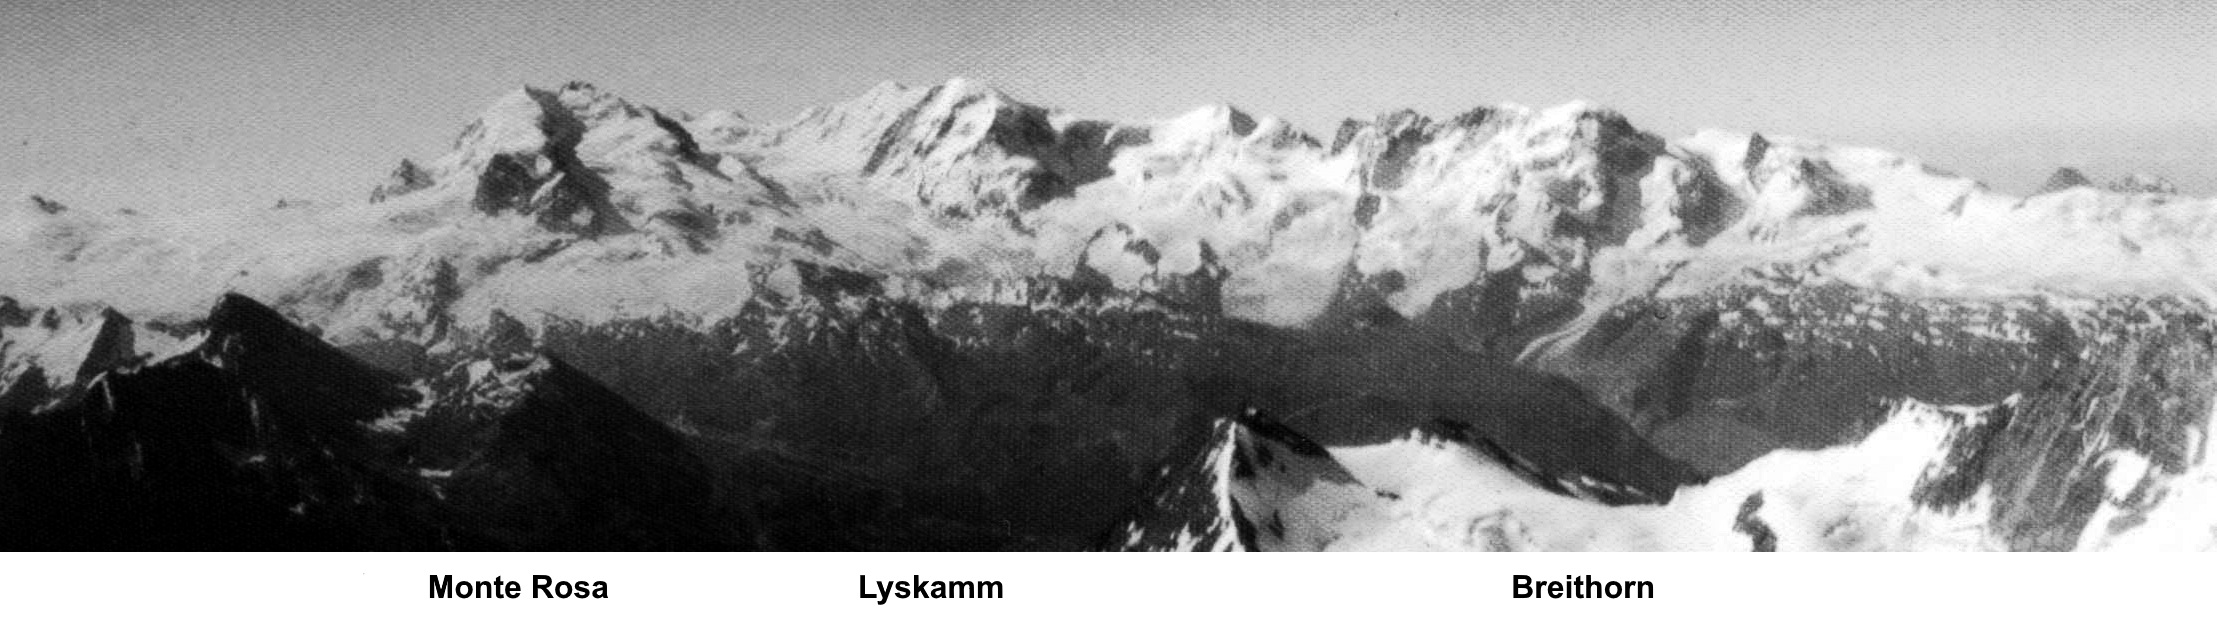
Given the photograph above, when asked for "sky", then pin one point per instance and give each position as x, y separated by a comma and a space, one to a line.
183, 105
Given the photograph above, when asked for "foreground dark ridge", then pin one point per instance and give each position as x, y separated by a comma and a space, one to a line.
265, 437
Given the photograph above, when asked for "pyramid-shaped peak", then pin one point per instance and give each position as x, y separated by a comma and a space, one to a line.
268, 351
2064, 179
239, 315
110, 343
239, 325
76, 345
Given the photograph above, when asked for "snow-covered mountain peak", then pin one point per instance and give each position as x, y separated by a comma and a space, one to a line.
892, 113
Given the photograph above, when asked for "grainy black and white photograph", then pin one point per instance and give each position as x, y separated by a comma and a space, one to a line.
1215, 275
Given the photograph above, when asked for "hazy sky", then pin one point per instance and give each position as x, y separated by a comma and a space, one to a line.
150, 105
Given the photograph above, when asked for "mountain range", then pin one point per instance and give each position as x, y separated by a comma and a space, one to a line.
942, 318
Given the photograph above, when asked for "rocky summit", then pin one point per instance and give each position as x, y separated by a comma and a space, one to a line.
942, 318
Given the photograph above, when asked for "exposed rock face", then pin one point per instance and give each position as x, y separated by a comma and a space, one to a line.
2087, 461
405, 178
550, 183
2065, 178
46, 205
1732, 376
12, 313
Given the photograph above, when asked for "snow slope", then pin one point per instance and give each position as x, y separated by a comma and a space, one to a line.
1424, 492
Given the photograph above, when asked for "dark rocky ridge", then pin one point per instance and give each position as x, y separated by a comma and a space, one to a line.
266, 438
1718, 380
842, 420
2144, 391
